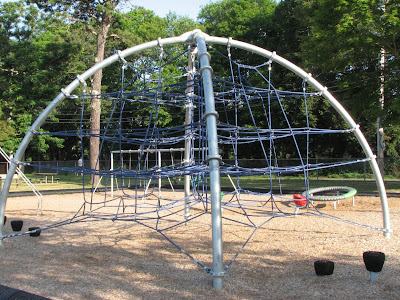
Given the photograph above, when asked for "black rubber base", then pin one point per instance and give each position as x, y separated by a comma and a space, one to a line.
324, 267
374, 260
7, 293
36, 233
17, 225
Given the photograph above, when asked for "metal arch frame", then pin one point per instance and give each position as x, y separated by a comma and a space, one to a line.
201, 38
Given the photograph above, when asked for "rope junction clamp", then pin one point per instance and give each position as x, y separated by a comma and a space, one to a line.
66, 94
13, 160
271, 58
308, 77
79, 77
34, 131
211, 113
159, 42
122, 59
189, 104
206, 67
217, 157
214, 274
323, 91
229, 43
204, 53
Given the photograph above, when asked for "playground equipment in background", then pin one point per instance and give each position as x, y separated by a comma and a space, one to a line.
252, 113
26, 180
349, 192
143, 163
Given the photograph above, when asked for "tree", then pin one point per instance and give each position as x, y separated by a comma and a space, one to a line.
33, 54
389, 39
7, 133
290, 27
273, 26
343, 49
101, 14
245, 20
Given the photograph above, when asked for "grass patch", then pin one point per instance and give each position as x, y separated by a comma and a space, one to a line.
297, 184
291, 183
65, 182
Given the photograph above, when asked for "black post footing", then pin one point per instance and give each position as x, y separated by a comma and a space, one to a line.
374, 260
17, 225
324, 267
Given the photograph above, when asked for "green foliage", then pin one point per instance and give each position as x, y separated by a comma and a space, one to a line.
32, 68
177, 25
44, 47
245, 20
84, 10
136, 27
350, 36
343, 31
7, 135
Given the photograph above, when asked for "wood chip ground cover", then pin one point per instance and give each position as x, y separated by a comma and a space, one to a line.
123, 260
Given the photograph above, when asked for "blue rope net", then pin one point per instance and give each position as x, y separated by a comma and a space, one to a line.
257, 118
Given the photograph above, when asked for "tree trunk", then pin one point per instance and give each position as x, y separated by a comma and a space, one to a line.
95, 107
380, 157
380, 133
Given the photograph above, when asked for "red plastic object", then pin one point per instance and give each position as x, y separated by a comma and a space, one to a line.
302, 200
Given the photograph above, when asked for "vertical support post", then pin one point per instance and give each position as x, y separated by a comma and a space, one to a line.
159, 169
188, 120
365, 171
121, 165
213, 161
112, 176
130, 168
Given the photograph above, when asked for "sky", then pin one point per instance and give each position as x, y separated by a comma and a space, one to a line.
189, 8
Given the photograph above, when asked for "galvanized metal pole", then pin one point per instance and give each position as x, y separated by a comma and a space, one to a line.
189, 120
213, 161
112, 176
159, 176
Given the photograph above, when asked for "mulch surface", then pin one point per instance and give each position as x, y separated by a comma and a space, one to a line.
124, 260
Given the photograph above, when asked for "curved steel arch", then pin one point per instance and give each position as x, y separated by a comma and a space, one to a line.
201, 38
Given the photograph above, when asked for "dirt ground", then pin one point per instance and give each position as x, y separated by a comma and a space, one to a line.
124, 260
